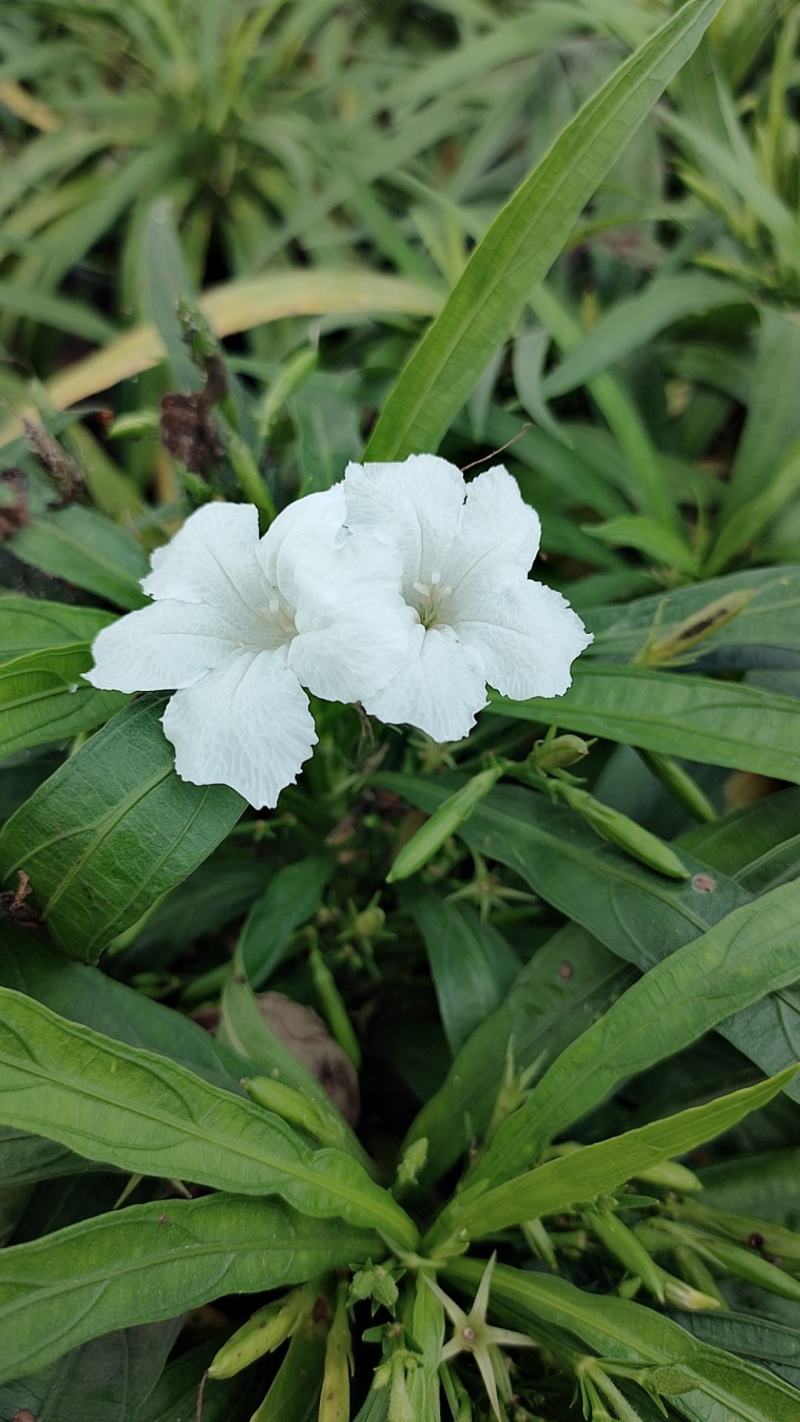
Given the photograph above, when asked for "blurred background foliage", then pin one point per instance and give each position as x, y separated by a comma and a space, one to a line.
224, 226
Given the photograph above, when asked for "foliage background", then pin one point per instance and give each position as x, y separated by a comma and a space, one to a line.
261, 207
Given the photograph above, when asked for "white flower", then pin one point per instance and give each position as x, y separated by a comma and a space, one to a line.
465, 550
240, 625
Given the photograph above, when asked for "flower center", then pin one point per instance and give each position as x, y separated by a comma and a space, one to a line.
280, 619
428, 597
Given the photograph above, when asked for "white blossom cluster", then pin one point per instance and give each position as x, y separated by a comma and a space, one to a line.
403, 588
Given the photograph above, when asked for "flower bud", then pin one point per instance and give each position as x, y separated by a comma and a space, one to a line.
294, 1107
622, 831
682, 1295
411, 1163
264, 1331
442, 823
559, 752
369, 921
620, 1241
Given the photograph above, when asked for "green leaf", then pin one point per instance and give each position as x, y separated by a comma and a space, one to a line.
174, 1398
568, 982
726, 1387
524, 240
650, 538
471, 963
714, 722
750, 953
326, 417
133, 1109
29, 624
749, 520
765, 632
151, 1262
25, 1159
599, 1169
107, 1377
243, 1028
634, 912
773, 417
634, 321
74, 317
291, 898
86, 995
759, 845
44, 699
74, 836
85, 548
762, 1339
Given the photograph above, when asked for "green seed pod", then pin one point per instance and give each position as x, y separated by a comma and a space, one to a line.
264, 1331
620, 1241
622, 831
333, 1007
680, 785
670, 1175
442, 823
334, 1405
293, 1106
682, 1295
771, 1239
752, 1267
685, 635
401, 1408
539, 1242
697, 1273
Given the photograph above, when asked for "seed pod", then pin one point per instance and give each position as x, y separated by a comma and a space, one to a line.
622, 831
442, 823
685, 635
333, 1007
680, 785
620, 1241
293, 1106
762, 1235
670, 1175
334, 1405
682, 1295
264, 1331
697, 1273
748, 1265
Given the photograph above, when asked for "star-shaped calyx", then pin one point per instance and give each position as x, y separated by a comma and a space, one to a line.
472, 1334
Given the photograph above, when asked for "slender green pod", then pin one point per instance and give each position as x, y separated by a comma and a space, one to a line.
264, 1331
333, 1007
444, 822
625, 833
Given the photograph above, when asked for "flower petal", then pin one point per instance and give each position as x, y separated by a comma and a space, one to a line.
440, 687
304, 532
497, 529
246, 724
353, 624
212, 560
415, 505
527, 634
164, 645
